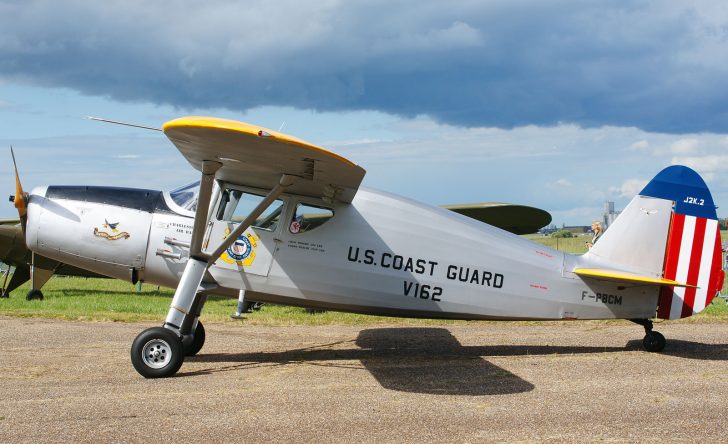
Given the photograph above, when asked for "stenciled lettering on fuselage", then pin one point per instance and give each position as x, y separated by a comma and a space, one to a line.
424, 267
604, 298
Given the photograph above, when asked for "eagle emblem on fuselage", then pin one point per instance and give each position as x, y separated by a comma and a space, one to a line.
115, 234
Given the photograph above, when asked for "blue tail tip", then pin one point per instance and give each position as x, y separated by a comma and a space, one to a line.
686, 188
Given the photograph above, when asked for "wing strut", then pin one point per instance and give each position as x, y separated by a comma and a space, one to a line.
187, 302
202, 213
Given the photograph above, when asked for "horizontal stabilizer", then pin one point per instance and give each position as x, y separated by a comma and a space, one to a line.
624, 276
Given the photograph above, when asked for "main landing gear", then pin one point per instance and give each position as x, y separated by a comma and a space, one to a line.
159, 352
653, 341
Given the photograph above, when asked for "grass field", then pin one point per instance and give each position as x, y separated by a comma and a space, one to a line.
107, 299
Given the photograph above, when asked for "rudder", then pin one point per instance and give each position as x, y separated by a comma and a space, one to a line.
692, 253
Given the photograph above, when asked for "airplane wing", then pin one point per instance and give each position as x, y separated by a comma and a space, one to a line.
518, 219
256, 156
623, 276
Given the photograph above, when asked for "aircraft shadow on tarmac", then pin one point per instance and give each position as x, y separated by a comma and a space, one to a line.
418, 360
690, 350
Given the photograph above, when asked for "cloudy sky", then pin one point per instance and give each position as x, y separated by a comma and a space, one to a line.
556, 104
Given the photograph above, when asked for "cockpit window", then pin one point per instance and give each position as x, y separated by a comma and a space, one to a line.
186, 196
235, 205
307, 217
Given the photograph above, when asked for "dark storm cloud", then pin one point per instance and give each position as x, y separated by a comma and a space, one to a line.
660, 66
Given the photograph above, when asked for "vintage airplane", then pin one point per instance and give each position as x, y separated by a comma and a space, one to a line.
286, 222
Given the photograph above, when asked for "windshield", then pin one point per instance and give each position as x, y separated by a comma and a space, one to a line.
186, 196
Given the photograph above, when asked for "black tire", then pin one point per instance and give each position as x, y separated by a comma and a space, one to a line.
34, 294
654, 342
197, 342
313, 311
157, 353
4, 294
249, 306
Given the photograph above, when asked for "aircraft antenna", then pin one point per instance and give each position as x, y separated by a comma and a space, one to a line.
282, 125
99, 119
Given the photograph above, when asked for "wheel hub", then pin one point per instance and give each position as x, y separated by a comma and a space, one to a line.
156, 353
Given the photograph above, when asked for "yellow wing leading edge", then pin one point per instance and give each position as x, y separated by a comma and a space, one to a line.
256, 156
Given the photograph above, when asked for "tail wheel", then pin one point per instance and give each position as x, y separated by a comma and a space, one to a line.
199, 340
157, 353
654, 342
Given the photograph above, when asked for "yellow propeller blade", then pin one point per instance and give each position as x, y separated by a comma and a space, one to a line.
20, 197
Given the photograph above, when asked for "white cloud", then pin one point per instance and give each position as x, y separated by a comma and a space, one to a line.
629, 187
710, 166
126, 156
563, 182
684, 146
640, 145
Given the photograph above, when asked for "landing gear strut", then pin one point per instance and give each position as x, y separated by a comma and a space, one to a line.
653, 341
159, 352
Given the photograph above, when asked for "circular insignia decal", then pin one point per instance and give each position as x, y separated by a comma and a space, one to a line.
240, 249
295, 227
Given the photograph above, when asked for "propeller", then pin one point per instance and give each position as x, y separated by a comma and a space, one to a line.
20, 200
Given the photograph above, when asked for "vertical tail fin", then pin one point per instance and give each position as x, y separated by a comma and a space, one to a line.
670, 230
692, 252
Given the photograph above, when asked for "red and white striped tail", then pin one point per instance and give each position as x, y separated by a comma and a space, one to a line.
693, 257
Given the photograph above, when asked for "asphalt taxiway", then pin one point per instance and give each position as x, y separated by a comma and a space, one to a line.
560, 382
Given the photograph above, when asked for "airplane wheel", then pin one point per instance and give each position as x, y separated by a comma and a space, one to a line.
198, 341
249, 306
4, 294
654, 342
34, 294
157, 353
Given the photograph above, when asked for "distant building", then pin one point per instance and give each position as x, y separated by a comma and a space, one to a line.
578, 229
609, 214
548, 230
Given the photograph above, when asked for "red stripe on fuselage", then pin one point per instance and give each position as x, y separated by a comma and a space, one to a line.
694, 270
672, 254
715, 283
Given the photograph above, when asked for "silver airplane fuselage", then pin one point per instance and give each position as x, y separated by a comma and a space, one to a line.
382, 254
